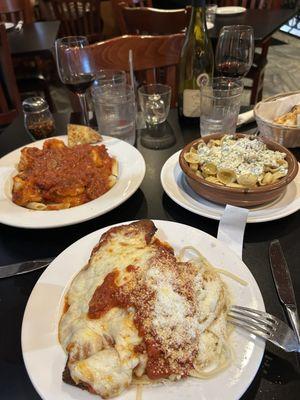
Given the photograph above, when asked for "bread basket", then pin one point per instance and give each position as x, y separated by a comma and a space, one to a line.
287, 136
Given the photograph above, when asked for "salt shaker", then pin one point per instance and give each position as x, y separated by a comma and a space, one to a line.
38, 118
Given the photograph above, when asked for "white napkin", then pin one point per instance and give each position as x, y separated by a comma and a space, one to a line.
232, 227
245, 118
270, 110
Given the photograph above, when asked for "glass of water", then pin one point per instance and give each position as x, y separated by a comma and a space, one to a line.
115, 111
220, 105
155, 100
109, 77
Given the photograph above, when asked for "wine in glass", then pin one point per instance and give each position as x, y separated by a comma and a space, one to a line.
75, 67
235, 51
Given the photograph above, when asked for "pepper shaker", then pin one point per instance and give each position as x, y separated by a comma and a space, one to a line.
38, 119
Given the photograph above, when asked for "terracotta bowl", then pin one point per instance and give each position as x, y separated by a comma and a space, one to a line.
242, 197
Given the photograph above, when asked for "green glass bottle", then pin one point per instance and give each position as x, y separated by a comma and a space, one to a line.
196, 63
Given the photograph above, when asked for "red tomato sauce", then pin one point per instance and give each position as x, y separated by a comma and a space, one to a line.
109, 295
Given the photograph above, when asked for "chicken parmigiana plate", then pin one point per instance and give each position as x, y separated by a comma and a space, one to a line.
137, 314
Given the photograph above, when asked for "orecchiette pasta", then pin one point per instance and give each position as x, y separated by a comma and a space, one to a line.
236, 162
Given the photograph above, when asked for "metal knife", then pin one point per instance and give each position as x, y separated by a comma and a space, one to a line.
284, 286
23, 267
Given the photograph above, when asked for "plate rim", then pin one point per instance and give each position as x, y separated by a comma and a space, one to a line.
91, 214
239, 10
89, 237
250, 219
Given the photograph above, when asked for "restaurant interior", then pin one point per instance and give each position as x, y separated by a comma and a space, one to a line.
149, 199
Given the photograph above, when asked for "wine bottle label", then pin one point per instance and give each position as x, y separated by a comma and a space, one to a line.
191, 103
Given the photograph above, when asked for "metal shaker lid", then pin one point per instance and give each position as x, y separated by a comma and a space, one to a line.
35, 104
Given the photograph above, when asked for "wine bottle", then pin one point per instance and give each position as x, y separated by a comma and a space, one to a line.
196, 63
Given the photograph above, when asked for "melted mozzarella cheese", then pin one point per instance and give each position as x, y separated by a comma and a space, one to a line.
83, 337
101, 351
103, 371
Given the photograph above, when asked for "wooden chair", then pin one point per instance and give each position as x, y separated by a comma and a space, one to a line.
78, 17
10, 103
257, 71
129, 3
16, 10
29, 70
151, 56
153, 21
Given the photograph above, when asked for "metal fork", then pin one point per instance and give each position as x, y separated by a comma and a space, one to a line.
264, 325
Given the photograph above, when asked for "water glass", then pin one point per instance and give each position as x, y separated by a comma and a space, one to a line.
220, 105
115, 111
109, 77
211, 10
155, 100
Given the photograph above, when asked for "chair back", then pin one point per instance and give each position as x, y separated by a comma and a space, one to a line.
10, 103
155, 58
129, 3
16, 10
153, 21
78, 17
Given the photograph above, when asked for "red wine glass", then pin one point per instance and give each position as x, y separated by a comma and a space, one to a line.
235, 51
75, 67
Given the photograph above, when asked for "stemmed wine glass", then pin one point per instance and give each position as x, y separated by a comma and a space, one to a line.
75, 67
235, 51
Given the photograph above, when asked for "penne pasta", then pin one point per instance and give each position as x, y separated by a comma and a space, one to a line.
58, 177
33, 205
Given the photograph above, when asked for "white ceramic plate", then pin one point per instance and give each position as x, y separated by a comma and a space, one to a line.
175, 185
131, 173
8, 25
45, 359
229, 10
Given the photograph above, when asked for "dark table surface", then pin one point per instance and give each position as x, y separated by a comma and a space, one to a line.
264, 22
278, 377
35, 38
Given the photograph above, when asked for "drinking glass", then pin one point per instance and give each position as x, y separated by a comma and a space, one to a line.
155, 100
109, 77
115, 111
75, 67
235, 51
211, 10
220, 104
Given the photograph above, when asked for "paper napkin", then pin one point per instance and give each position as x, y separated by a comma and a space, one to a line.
232, 227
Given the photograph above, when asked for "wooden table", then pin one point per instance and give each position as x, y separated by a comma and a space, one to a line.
277, 378
264, 22
36, 38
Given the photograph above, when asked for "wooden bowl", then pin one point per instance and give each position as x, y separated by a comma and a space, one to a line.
242, 197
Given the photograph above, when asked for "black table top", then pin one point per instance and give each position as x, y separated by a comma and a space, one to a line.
279, 375
34, 38
264, 22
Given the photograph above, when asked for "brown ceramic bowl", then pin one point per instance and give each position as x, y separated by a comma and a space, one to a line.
242, 197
